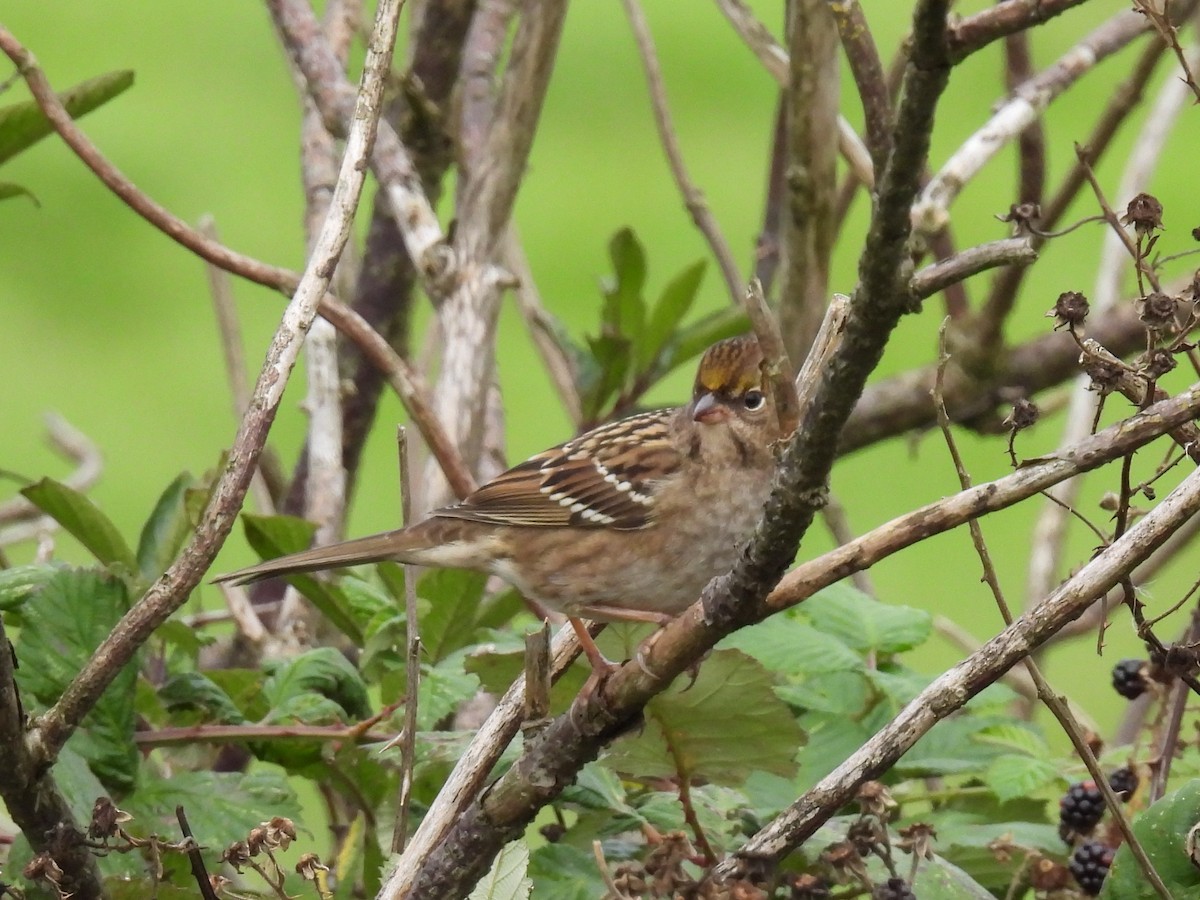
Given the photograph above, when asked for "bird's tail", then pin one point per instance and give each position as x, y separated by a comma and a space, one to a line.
375, 548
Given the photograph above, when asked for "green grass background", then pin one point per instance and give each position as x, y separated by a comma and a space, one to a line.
109, 323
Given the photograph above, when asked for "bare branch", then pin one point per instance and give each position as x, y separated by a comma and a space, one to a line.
167, 594
1006, 17
775, 60
931, 212
1018, 251
869, 77
811, 109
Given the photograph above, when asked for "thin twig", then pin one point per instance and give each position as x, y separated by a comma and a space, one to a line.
233, 353
1056, 704
972, 33
693, 198
170, 591
867, 69
412, 656
775, 60
776, 362
74, 445
541, 327
195, 858
403, 379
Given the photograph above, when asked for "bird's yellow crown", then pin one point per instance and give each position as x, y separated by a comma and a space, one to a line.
730, 367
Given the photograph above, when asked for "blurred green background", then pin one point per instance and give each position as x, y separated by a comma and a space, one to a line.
104, 320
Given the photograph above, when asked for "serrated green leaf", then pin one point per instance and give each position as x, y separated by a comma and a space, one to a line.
453, 596
321, 672
20, 583
830, 740
24, 124
65, 620
508, 878
221, 807
835, 693
443, 689
562, 872
673, 304
1020, 737
83, 520
865, 624
1162, 830
1013, 775
196, 691
273, 536
688, 729
8, 191
786, 645
166, 530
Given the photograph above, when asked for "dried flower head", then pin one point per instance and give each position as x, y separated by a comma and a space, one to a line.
1024, 414
1105, 375
1024, 216
309, 865
918, 839
1070, 309
1158, 362
236, 854
1144, 213
876, 800
809, 887
281, 831
256, 840
106, 820
1157, 311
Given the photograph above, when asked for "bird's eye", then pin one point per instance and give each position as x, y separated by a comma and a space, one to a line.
754, 400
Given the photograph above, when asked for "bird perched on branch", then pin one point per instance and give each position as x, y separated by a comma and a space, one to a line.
627, 522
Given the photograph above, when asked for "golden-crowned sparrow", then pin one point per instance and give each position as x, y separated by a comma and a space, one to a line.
628, 521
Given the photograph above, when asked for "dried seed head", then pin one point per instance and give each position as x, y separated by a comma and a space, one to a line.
875, 800
1070, 309
1158, 362
809, 887
256, 841
1157, 311
1024, 414
918, 839
281, 831
106, 819
1023, 216
1105, 375
236, 854
1144, 213
309, 865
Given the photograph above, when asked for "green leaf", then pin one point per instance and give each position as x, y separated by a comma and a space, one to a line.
20, 583
319, 673
196, 691
65, 621
1162, 830
8, 191
508, 878
562, 872
221, 807
624, 309
673, 304
611, 355
726, 724
1014, 775
791, 647
273, 536
454, 596
24, 124
83, 520
865, 624
166, 530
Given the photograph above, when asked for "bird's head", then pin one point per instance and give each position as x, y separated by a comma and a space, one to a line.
729, 392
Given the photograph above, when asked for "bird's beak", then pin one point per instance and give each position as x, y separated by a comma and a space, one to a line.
709, 411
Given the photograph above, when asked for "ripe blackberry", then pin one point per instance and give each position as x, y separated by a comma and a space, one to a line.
1129, 678
1081, 807
893, 889
1124, 782
1090, 864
